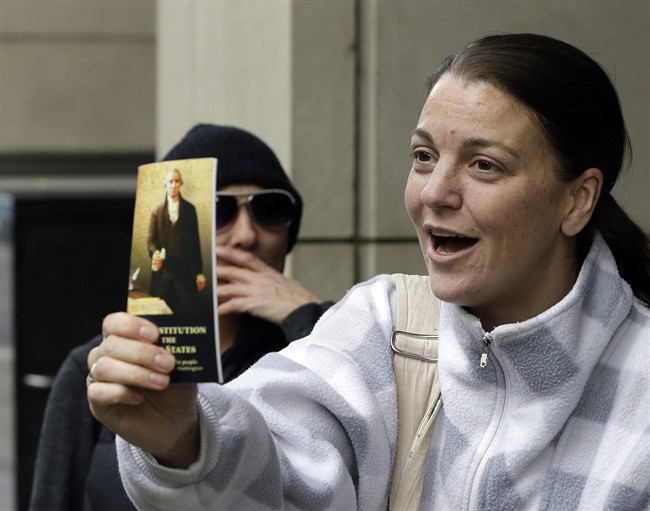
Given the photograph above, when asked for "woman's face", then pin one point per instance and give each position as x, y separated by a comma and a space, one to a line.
244, 233
487, 205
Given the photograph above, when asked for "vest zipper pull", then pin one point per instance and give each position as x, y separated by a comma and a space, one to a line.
487, 341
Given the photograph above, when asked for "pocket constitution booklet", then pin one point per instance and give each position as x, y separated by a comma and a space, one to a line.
172, 277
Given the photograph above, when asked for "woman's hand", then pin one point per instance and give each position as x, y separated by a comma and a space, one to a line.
247, 284
129, 391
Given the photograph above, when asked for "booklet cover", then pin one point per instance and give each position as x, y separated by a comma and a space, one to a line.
172, 271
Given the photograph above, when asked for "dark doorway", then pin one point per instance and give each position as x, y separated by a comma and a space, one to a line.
71, 261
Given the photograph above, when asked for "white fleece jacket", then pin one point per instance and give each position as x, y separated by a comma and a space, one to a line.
559, 418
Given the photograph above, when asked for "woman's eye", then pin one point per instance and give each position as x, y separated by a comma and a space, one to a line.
422, 156
486, 166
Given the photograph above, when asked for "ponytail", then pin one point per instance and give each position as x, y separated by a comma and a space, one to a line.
628, 243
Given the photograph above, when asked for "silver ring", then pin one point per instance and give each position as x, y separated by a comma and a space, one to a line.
91, 375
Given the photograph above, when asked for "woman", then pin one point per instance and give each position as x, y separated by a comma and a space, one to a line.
544, 289
260, 310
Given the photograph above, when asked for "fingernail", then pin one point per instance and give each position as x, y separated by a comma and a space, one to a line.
158, 379
148, 333
164, 361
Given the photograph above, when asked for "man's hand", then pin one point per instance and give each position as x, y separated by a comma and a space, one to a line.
249, 285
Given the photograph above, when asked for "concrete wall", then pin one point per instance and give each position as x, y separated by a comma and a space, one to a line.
77, 94
77, 76
336, 88
407, 40
285, 71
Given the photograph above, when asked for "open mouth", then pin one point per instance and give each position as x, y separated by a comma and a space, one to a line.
451, 244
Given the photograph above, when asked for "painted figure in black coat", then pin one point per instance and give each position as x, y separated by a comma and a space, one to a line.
175, 249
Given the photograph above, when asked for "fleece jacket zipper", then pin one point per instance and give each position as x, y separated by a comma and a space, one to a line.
487, 341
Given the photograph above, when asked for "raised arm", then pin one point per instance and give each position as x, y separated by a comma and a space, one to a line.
311, 427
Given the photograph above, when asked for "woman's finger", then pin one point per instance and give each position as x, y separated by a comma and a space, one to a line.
102, 395
130, 327
134, 352
112, 370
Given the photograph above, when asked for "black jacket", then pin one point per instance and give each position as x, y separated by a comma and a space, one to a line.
76, 463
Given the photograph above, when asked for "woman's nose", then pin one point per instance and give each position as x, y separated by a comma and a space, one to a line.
443, 188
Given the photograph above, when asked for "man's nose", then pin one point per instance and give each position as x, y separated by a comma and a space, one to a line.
243, 232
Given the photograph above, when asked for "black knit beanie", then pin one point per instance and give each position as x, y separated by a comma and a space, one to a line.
242, 159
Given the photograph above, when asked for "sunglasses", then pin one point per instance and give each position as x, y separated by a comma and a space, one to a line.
270, 209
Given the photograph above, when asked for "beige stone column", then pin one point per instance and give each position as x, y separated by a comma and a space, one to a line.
225, 62
336, 87
285, 70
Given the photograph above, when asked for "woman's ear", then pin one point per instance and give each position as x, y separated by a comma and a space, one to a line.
584, 193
